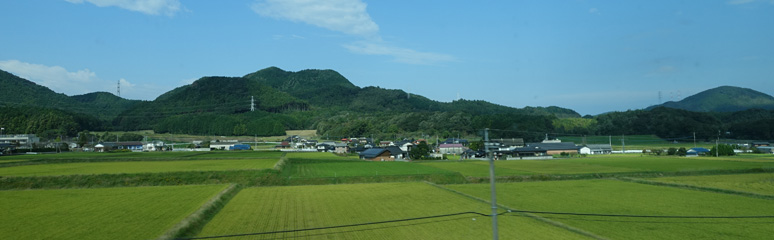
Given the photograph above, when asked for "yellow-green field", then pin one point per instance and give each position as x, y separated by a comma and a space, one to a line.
269, 209
84, 168
618, 197
106, 213
760, 183
89, 196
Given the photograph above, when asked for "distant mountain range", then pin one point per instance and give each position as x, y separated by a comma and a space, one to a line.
270, 97
723, 99
270, 101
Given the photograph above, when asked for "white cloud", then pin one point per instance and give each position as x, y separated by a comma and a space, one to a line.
151, 7
346, 16
403, 55
54, 77
82, 81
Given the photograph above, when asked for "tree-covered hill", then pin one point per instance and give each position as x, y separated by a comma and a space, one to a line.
724, 99
318, 87
19, 92
215, 105
104, 105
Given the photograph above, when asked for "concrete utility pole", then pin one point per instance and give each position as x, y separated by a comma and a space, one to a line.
495, 235
623, 143
717, 145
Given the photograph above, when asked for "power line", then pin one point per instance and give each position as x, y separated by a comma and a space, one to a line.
487, 215
339, 226
635, 216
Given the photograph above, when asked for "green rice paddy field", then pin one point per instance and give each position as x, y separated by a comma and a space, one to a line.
603, 164
106, 213
83, 168
268, 209
759, 183
618, 197
89, 211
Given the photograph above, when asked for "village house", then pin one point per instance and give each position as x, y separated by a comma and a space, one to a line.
452, 148
593, 149
341, 148
382, 154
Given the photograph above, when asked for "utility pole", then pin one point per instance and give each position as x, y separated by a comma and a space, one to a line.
717, 145
623, 143
118, 88
252, 104
495, 235
694, 139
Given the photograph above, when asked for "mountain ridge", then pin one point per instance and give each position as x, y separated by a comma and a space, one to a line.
723, 99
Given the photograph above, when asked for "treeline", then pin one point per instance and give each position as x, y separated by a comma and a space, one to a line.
251, 123
754, 124
46, 123
437, 124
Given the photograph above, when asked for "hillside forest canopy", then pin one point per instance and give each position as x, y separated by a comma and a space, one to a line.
270, 101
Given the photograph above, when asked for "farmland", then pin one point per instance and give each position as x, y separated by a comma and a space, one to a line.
760, 183
343, 190
135, 167
617, 197
106, 213
604, 164
300, 207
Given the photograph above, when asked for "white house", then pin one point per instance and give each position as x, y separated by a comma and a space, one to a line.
592, 149
453, 148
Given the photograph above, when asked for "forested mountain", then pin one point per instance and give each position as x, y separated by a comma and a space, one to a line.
328, 102
724, 99
215, 105
19, 92
104, 105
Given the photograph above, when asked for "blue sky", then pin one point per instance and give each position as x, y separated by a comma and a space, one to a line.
589, 56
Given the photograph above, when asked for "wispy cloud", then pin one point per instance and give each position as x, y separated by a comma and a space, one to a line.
151, 7
349, 17
403, 55
54, 77
346, 16
594, 11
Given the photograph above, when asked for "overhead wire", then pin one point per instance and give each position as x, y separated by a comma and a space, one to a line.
510, 211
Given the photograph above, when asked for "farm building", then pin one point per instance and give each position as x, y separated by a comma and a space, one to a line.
697, 152
596, 149
20, 140
341, 148
766, 149
526, 152
760, 144
555, 147
452, 148
382, 154
134, 146
464, 142
509, 143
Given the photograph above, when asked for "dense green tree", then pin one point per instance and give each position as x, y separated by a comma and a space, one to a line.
420, 151
682, 152
722, 150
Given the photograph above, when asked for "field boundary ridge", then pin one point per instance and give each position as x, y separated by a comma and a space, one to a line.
193, 223
533, 216
696, 188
